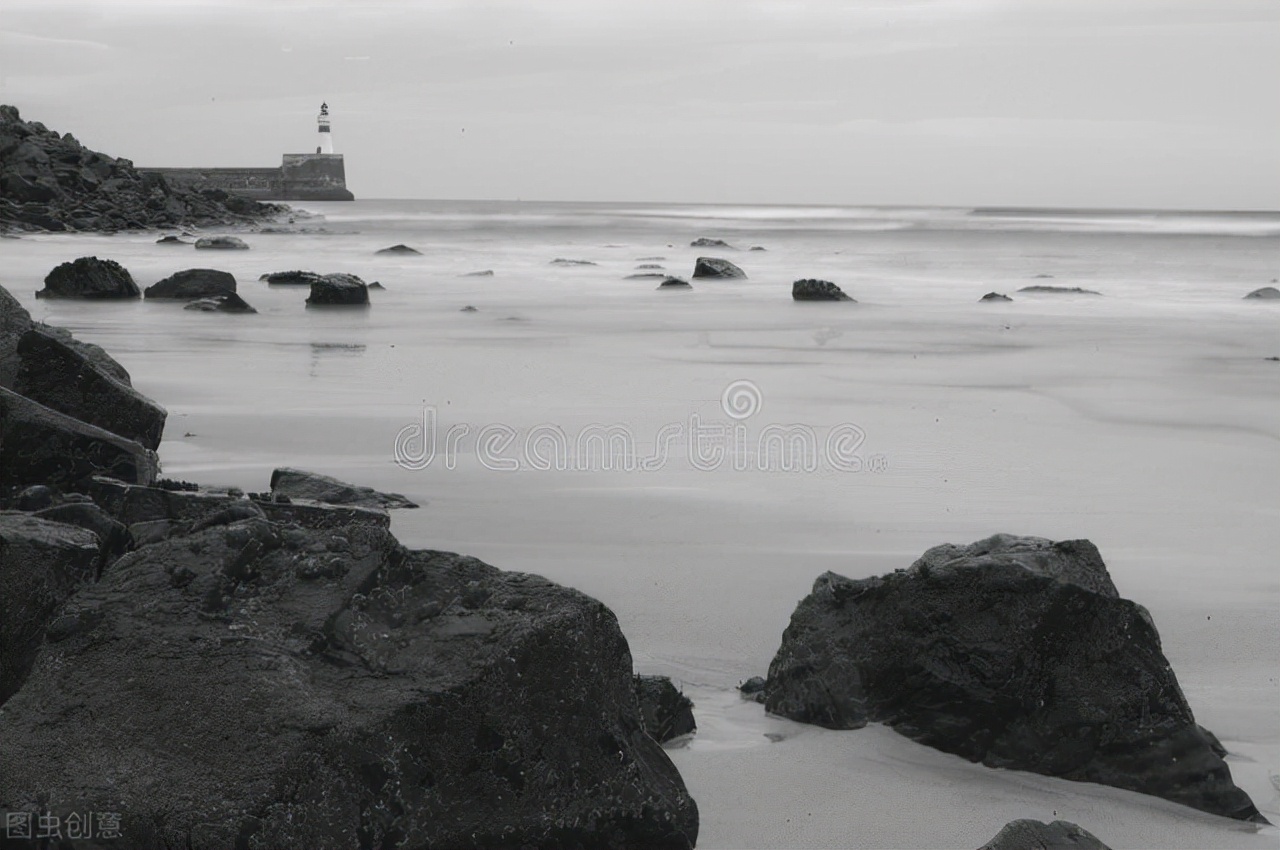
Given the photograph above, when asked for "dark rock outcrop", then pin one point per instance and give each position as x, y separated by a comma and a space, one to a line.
646, 276
809, 289
1035, 835
399, 249
1060, 290
995, 296
222, 243
665, 713
193, 283
275, 687
1266, 292
51, 182
89, 277
560, 261
644, 266
704, 242
41, 564
229, 303
339, 290
300, 484
173, 240
38, 444
1015, 652
675, 283
57, 376
753, 689
113, 537
481, 273
15, 321
713, 267
295, 278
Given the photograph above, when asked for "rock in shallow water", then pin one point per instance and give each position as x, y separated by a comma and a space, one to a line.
817, 290
89, 277
995, 296
1013, 651
260, 686
1266, 292
229, 303
338, 290
224, 243
714, 267
192, 283
665, 712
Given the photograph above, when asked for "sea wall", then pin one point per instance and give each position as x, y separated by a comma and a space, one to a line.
299, 177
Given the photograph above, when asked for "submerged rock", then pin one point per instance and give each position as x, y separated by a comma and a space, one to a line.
665, 712
753, 689
339, 691
300, 484
559, 261
646, 276
704, 242
1015, 652
229, 303
809, 289
643, 266
41, 445
223, 243
1266, 292
89, 277
59, 377
1034, 835
714, 267
399, 249
339, 290
995, 296
481, 273
675, 283
1062, 290
192, 283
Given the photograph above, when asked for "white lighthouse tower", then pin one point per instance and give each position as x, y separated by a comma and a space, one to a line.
326, 137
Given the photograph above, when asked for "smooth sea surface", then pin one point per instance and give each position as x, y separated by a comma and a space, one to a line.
696, 458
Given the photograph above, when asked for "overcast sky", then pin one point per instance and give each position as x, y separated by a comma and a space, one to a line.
1142, 103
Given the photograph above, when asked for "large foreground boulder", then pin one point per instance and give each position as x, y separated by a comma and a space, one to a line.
62, 378
193, 283
300, 484
339, 290
1035, 835
15, 321
713, 267
89, 277
253, 685
810, 289
1015, 652
39, 445
41, 564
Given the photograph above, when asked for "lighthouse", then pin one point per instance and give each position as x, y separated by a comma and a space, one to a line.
326, 137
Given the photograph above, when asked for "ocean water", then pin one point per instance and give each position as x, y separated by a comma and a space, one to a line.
696, 458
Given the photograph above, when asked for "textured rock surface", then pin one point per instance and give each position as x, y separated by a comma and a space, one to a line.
113, 537
714, 267
49, 181
193, 283
252, 685
60, 377
665, 713
704, 242
40, 445
1034, 835
809, 289
89, 277
222, 243
1012, 651
997, 296
339, 290
294, 277
41, 564
300, 484
1266, 292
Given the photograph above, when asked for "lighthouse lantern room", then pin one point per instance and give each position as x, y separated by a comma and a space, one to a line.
326, 137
